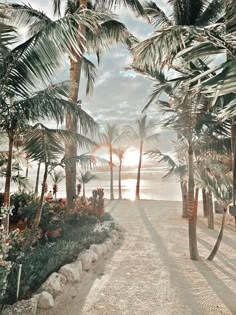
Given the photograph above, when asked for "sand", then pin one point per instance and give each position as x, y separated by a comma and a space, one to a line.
151, 273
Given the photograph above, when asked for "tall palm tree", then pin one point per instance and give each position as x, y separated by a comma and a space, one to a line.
108, 30
84, 178
120, 152
109, 136
143, 131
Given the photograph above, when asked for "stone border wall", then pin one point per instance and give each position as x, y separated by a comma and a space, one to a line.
54, 285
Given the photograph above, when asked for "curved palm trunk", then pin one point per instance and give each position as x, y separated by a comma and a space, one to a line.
36, 190
210, 211
38, 214
192, 213
139, 170
7, 190
40, 207
71, 121
219, 239
184, 190
204, 201
119, 181
111, 173
196, 200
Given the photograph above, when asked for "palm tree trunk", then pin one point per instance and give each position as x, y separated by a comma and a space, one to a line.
196, 200
120, 193
111, 173
139, 170
38, 214
7, 191
219, 239
36, 190
204, 201
84, 190
40, 207
184, 190
71, 121
210, 211
192, 213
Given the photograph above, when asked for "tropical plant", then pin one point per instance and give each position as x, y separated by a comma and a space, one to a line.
175, 166
109, 136
144, 131
84, 178
120, 152
57, 177
219, 181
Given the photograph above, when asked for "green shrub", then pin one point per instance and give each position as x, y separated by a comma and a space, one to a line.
40, 262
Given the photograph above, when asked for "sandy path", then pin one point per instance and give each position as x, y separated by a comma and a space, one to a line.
150, 273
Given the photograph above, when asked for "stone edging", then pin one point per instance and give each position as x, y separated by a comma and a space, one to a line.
69, 273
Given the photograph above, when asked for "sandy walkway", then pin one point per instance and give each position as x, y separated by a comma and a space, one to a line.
151, 273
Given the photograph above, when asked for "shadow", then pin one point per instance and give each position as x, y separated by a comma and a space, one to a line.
220, 256
176, 277
220, 288
114, 205
214, 233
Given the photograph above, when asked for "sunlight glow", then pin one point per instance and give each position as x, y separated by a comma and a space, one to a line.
131, 158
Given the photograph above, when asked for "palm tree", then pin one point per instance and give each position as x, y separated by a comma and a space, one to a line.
57, 177
108, 30
218, 180
109, 136
84, 178
175, 167
143, 132
120, 152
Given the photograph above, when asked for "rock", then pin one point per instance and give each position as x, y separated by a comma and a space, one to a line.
25, 307
94, 256
54, 284
115, 233
98, 249
104, 248
72, 272
86, 260
109, 244
45, 300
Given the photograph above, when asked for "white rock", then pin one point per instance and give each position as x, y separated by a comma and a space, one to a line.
86, 260
54, 284
115, 233
104, 248
98, 249
94, 255
109, 244
25, 307
114, 239
45, 300
72, 272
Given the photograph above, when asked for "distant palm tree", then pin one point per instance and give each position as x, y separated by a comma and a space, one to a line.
85, 178
110, 135
144, 131
57, 177
120, 152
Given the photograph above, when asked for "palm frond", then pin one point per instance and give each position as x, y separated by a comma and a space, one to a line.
134, 5
156, 15
90, 72
212, 13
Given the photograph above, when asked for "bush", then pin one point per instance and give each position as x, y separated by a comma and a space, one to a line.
40, 262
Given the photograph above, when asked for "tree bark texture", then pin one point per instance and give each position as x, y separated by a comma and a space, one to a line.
192, 214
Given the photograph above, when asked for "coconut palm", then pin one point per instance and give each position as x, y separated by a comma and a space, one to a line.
108, 31
144, 132
175, 167
120, 152
57, 177
109, 136
219, 181
84, 178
